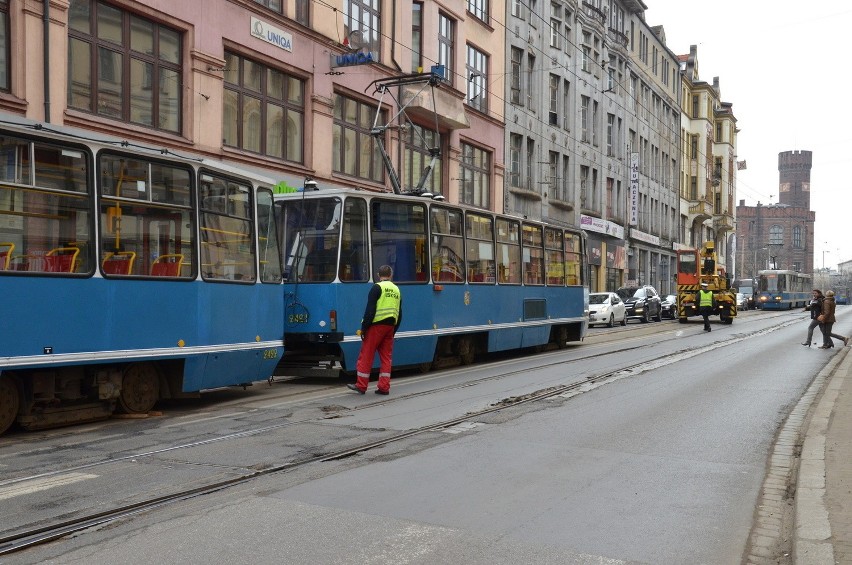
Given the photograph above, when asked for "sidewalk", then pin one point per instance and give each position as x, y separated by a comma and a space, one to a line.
823, 509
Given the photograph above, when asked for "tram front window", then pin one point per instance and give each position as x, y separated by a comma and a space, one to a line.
311, 239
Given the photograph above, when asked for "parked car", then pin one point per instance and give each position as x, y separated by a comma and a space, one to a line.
669, 306
606, 308
742, 301
642, 302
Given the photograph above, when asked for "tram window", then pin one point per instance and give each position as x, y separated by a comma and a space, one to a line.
311, 239
353, 253
170, 185
573, 262
15, 155
124, 177
447, 245
398, 232
267, 239
60, 168
554, 257
142, 231
46, 223
227, 246
533, 254
508, 252
480, 249
145, 232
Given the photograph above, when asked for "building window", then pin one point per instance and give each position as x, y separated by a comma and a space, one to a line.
552, 173
123, 66
610, 134
595, 123
516, 143
553, 113
303, 12
445, 45
417, 37
555, 25
563, 191
478, 8
4, 46
477, 79
566, 104
274, 5
517, 9
363, 24
475, 169
355, 152
531, 78
530, 180
517, 62
264, 109
418, 144
797, 237
584, 118
776, 235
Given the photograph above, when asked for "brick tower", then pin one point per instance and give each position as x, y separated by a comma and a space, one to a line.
794, 178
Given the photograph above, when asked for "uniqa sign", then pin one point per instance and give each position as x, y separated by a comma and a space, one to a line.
271, 34
352, 59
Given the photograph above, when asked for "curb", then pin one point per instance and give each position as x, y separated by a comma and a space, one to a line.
812, 543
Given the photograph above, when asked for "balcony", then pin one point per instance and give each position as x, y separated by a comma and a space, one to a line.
450, 109
723, 223
700, 210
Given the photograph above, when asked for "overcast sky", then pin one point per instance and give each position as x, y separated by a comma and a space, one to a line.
783, 65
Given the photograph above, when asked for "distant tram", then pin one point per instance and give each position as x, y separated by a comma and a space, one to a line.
472, 281
128, 275
783, 289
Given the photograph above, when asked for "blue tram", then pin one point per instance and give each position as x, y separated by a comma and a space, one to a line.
783, 289
128, 275
472, 281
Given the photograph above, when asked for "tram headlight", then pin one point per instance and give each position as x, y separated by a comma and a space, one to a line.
332, 320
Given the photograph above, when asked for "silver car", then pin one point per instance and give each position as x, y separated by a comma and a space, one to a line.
606, 308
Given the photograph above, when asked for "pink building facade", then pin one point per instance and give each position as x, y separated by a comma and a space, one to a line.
286, 86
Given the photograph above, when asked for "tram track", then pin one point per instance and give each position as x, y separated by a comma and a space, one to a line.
27, 538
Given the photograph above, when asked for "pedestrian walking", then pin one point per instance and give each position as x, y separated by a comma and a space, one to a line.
382, 317
706, 305
815, 307
828, 322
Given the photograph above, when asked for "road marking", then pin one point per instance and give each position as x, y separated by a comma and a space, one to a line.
44, 484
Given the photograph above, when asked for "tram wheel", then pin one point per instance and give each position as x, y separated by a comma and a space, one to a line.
10, 402
140, 389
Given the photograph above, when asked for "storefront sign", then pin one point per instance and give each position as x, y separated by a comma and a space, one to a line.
271, 34
646, 237
634, 189
590, 223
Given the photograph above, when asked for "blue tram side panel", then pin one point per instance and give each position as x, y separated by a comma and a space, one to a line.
129, 277
779, 289
472, 282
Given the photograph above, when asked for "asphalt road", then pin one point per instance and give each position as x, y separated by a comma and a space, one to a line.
658, 463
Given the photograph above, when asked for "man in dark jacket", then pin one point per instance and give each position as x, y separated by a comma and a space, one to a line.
816, 309
382, 317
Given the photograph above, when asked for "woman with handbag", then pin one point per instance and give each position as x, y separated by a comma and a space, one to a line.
828, 322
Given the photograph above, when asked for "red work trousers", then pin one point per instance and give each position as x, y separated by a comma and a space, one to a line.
378, 338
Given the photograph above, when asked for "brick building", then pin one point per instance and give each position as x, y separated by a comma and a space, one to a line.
779, 235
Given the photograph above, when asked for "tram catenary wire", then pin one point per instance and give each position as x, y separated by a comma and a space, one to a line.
29, 538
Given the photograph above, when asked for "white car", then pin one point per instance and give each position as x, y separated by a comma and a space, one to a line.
606, 308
